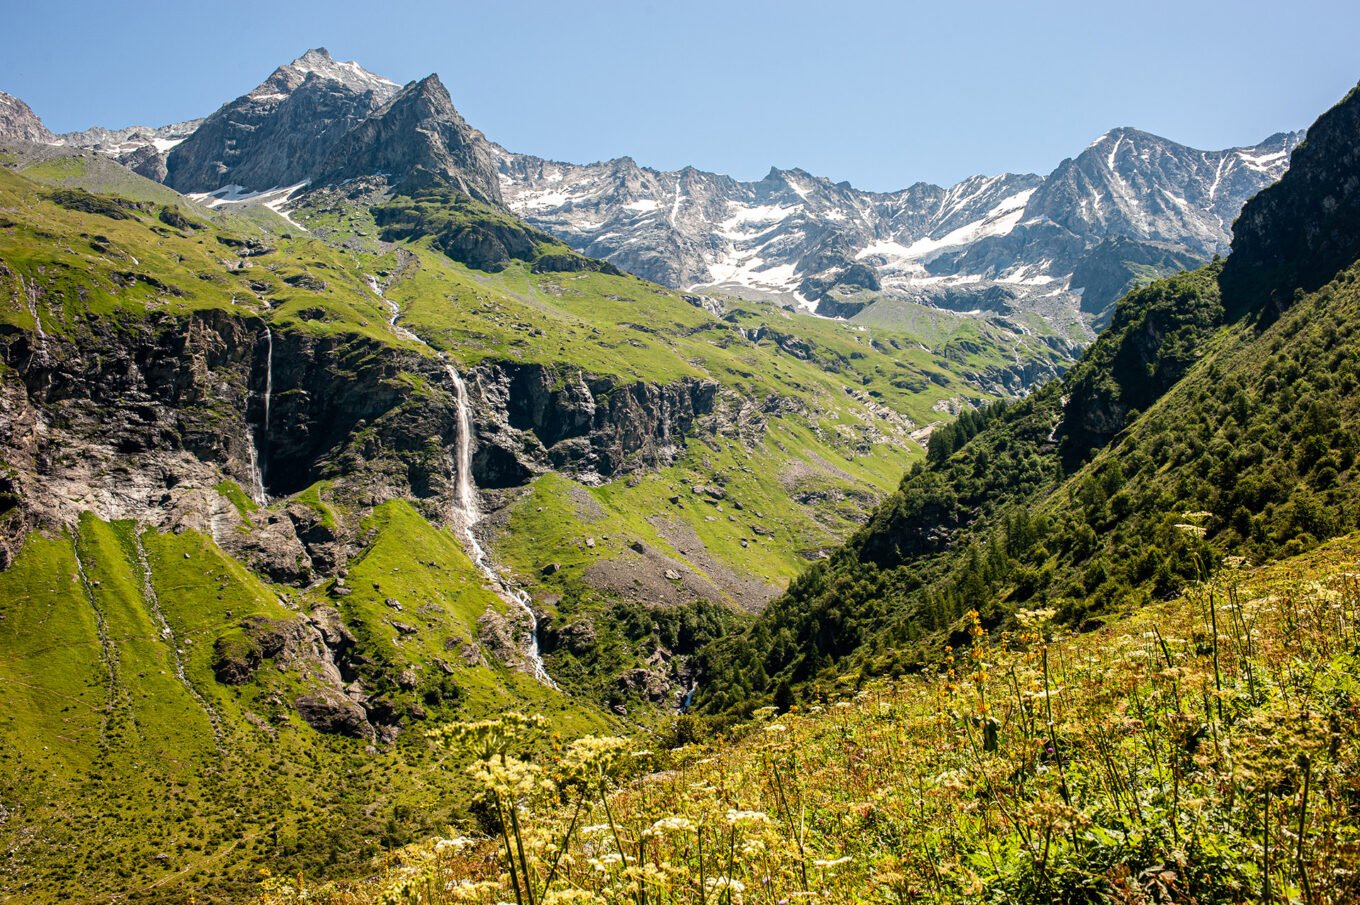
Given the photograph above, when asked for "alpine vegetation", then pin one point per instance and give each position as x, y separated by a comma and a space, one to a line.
388, 516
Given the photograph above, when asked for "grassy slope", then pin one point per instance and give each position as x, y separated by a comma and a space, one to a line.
1134, 764
1250, 452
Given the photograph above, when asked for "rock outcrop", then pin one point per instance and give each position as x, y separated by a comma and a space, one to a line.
1319, 199
419, 140
19, 122
591, 427
143, 419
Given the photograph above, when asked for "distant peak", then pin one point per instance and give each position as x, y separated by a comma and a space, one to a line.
429, 92
1118, 133
319, 62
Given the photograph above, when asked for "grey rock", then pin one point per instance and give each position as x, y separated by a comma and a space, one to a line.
19, 122
283, 131
335, 714
419, 138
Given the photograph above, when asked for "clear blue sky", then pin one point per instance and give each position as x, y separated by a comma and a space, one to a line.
878, 92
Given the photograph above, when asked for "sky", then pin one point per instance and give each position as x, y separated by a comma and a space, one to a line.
880, 93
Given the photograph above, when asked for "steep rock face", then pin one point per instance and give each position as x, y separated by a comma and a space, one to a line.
282, 131
591, 427
18, 121
1319, 199
142, 420
1136, 185
418, 139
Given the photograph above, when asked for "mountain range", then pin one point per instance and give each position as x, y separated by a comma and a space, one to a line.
1046, 254
1130, 206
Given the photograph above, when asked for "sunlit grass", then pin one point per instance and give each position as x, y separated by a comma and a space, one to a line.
1201, 750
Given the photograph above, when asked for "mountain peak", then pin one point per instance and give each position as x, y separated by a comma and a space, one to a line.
419, 137
279, 132
17, 120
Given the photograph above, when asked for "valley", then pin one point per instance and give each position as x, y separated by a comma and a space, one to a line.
364, 484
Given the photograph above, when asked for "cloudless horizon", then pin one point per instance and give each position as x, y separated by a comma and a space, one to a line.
880, 93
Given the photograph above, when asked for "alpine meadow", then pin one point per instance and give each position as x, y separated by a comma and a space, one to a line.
389, 516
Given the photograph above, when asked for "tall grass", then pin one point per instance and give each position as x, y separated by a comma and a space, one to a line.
1198, 751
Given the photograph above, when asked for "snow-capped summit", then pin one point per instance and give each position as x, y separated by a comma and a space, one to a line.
318, 62
281, 131
1066, 245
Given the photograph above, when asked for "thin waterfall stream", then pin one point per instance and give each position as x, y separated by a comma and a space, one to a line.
259, 436
467, 511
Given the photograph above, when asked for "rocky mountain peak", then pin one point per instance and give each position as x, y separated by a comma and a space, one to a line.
317, 62
1129, 205
18, 121
418, 138
280, 132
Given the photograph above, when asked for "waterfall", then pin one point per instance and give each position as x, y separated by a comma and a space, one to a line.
466, 510
468, 514
689, 696
465, 494
268, 378
259, 436
257, 492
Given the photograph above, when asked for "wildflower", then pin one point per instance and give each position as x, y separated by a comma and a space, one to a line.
593, 758
571, 897
775, 727
1029, 618
508, 777
487, 738
670, 825
718, 884
457, 844
833, 862
740, 818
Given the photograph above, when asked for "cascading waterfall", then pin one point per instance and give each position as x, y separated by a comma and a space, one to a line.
689, 696
467, 512
268, 378
259, 436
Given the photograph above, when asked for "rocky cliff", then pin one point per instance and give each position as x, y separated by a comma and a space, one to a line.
418, 139
1320, 199
18, 121
142, 419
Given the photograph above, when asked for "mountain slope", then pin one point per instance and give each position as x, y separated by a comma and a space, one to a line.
18, 121
1215, 417
1037, 257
